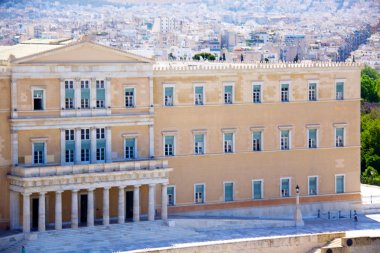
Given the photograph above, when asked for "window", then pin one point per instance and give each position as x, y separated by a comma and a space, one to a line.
339, 91
39, 153
312, 91
85, 155
84, 103
312, 138
130, 148
84, 84
38, 100
339, 137
198, 93
284, 92
199, 144
228, 142
339, 183
285, 187
228, 94
285, 143
256, 93
100, 154
100, 94
69, 95
257, 189
228, 191
169, 91
256, 141
129, 97
313, 185
85, 134
69, 156
169, 145
171, 195
85, 94
199, 195
69, 135
100, 133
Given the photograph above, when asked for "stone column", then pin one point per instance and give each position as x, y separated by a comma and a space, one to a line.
41, 212
121, 203
151, 140
151, 202
26, 213
90, 207
108, 145
62, 94
63, 147
77, 96
77, 145
164, 199
74, 209
14, 99
14, 210
58, 210
106, 206
151, 102
14, 137
93, 145
136, 203
108, 95
93, 93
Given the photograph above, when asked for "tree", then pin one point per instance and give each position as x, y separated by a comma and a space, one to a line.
205, 56
370, 85
370, 140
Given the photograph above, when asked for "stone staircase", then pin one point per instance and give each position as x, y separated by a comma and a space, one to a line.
368, 244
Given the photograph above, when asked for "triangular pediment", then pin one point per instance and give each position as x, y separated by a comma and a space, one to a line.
83, 52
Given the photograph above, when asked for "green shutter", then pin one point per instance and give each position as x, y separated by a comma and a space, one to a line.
100, 143
257, 135
339, 184
85, 93
285, 184
38, 93
285, 133
312, 86
200, 188
228, 191
86, 144
228, 136
284, 86
169, 140
129, 90
228, 89
39, 146
313, 185
100, 94
69, 93
199, 138
70, 145
199, 90
257, 190
169, 91
313, 134
339, 132
256, 88
130, 142
339, 87
170, 190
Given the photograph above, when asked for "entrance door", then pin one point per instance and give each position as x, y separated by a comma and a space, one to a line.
129, 205
35, 203
83, 208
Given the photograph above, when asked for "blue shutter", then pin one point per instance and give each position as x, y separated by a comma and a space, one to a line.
39, 146
313, 134
284, 86
129, 90
38, 93
70, 145
170, 190
130, 142
285, 184
228, 89
86, 144
312, 185
200, 188
339, 132
228, 191
257, 190
285, 133
339, 184
85, 93
199, 138
199, 90
256, 88
169, 91
100, 143
169, 140
257, 135
69, 93
100, 94
228, 136
339, 87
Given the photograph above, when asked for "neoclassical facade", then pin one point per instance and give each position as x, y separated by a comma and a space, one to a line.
93, 135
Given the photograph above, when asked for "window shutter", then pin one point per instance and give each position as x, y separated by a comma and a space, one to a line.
39, 146
130, 142
285, 184
38, 93
169, 91
85, 144
285, 133
339, 87
169, 140
199, 188
100, 94
256, 88
129, 90
313, 134
199, 138
257, 135
170, 190
199, 90
100, 143
228, 136
257, 190
85, 93
339, 132
228, 191
285, 86
339, 184
228, 89
70, 145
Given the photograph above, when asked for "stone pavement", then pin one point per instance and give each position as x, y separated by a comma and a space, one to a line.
153, 234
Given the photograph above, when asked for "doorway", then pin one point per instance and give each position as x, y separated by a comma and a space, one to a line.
129, 205
35, 204
83, 209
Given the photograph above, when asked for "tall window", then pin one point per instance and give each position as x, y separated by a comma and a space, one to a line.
339, 183
85, 145
169, 145
199, 144
256, 141
85, 94
257, 189
129, 97
339, 91
198, 99
228, 191
39, 153
199, 193
228, 142
312, 91
171, 195
38, 100
130, 148
85, 155
313, 187
285, 140
69, 94
100, 154
85, 134
228, 94
100, 133
285, 187
312, 138
256, 93
100, 94
69, 145
168, 93
339, 137
284, 92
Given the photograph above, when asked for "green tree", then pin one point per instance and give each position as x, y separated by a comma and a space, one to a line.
205, 56
370, 140
370, 84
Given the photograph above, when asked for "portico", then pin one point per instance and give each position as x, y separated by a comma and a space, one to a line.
152, 174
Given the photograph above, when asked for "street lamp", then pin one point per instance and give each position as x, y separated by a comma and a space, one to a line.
298, 214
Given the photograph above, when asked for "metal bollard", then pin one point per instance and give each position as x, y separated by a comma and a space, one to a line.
350, 214
328, 215
339, 212
319, 213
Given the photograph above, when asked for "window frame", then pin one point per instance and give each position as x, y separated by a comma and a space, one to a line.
344, 183
163, 94
289, 137
175, 194
232, 95
233, 142
44, 162
289, 91
85, 134
261, 92
261, 139
336, 86
204, 142
224, 191
316, 187
262, 188
290, 187
316, 90
203, 93
204, 193
135, 147
43, 98
174, 144
133, 98
336, 126
316, 137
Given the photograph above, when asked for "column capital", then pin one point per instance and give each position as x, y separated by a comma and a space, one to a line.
152, 185
93, 80
77, 79
75, 190
14, 131
108, 79
59, 192
136, 186
165, 184
90, 189
106, 188
42, 193
122, 187
26, 194
78, 128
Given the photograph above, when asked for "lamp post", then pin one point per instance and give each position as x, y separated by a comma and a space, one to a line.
298, 214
